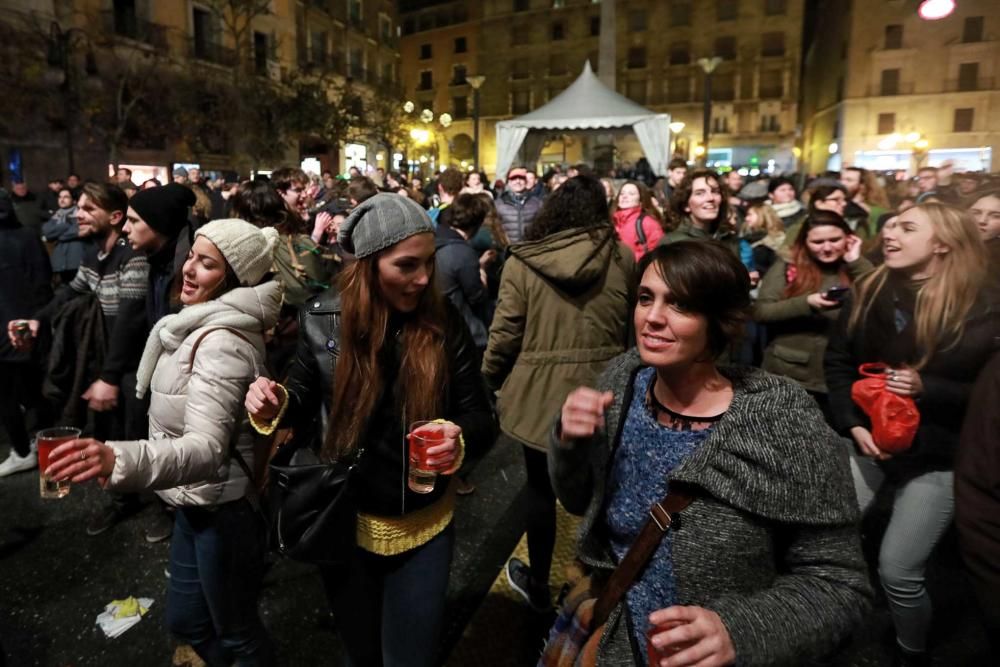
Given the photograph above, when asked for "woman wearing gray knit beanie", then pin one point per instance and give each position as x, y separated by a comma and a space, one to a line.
378, 353
198, 365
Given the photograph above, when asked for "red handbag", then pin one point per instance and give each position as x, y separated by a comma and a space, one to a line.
894, 418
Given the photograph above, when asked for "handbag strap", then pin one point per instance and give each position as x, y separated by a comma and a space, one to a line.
652, 533
253, 497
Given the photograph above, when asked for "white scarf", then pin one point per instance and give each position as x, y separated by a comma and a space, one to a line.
787, 209
171, 330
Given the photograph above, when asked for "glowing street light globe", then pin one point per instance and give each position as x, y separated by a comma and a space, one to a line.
445, 119
932, 10
427, 115
408, 107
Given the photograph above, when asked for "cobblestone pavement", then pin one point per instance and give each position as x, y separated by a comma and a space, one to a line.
54, 580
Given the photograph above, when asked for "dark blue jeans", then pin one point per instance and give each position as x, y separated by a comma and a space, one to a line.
388, 609
216, 565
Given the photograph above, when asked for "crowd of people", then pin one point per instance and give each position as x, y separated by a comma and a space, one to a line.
632, 336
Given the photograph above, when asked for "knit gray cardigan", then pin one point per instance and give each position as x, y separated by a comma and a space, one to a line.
771, 541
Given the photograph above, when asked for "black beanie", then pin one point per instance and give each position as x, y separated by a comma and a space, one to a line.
164, 208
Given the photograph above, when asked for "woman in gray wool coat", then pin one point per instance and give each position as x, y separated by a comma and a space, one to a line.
764, 566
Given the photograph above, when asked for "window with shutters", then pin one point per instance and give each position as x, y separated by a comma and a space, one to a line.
889, 84
558, 31
426, 80
725, 47
772, 44
680, 53
963, 120
886, 123
680, 13
520, 101
968, 76
461, 46
774, 7
637, 57
972, 29
771, 84
426, 51
460, 106
726, 10
894, 36
637, 20
679, 89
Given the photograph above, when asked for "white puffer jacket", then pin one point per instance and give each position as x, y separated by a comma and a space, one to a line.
196, 405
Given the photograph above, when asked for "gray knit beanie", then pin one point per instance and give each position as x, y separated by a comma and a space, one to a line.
382, 221
248, 249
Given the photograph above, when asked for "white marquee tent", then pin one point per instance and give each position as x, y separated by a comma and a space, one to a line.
587, 105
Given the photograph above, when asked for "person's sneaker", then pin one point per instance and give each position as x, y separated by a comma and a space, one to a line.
14, 463
104, 520
161, 525
520, 579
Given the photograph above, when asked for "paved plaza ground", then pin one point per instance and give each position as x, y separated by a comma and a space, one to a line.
54, 580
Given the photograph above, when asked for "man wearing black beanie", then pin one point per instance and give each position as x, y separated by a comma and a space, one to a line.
157, 226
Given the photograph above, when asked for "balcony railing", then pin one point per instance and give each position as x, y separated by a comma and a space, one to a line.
903, 88
212, 52
970, 84
130, 27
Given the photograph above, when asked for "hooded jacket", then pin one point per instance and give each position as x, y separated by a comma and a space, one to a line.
196, 400
564, 311
770, 542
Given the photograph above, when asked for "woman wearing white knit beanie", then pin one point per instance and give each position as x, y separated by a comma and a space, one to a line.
198, 365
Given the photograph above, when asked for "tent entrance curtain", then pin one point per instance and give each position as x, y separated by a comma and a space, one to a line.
654, 137
509, 140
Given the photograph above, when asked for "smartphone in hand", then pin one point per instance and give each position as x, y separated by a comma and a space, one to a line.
836, 293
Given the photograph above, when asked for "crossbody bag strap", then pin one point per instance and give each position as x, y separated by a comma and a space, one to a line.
639, 233
253, 497
642, 549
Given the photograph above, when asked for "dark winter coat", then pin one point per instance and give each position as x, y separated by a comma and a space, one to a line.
384, 490
25, 276
456, 265
947, 378
564, 311
517, 212
688, 232
76, 358
770, 542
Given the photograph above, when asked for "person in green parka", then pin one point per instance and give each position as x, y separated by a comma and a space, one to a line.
563, 312
799, 299
699, 211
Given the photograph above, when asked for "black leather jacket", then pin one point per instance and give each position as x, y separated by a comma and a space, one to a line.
384, 463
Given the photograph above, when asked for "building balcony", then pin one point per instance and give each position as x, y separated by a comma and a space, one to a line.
889, 91
211, 52
970, 85
130, 27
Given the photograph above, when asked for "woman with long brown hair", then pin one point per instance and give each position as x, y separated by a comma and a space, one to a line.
377, 353
637, 220
800, 298
926, 315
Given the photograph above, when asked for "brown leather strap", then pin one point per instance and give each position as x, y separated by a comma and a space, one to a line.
657, 525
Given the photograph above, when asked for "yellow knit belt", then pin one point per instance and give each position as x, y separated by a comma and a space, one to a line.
388, 536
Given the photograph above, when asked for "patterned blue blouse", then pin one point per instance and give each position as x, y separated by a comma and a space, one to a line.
647, 454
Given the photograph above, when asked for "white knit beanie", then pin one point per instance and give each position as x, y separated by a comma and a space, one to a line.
248, 249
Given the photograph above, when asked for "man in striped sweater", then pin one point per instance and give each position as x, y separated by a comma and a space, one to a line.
119, 277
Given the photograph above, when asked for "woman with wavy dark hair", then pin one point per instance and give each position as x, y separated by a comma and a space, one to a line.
377, 353
800, 299
699, 211
562, 313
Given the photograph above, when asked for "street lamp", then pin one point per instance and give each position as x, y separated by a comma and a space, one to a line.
476, 81
708, 65
676, 128
59, 59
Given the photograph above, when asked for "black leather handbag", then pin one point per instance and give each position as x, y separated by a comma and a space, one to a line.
310, 506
